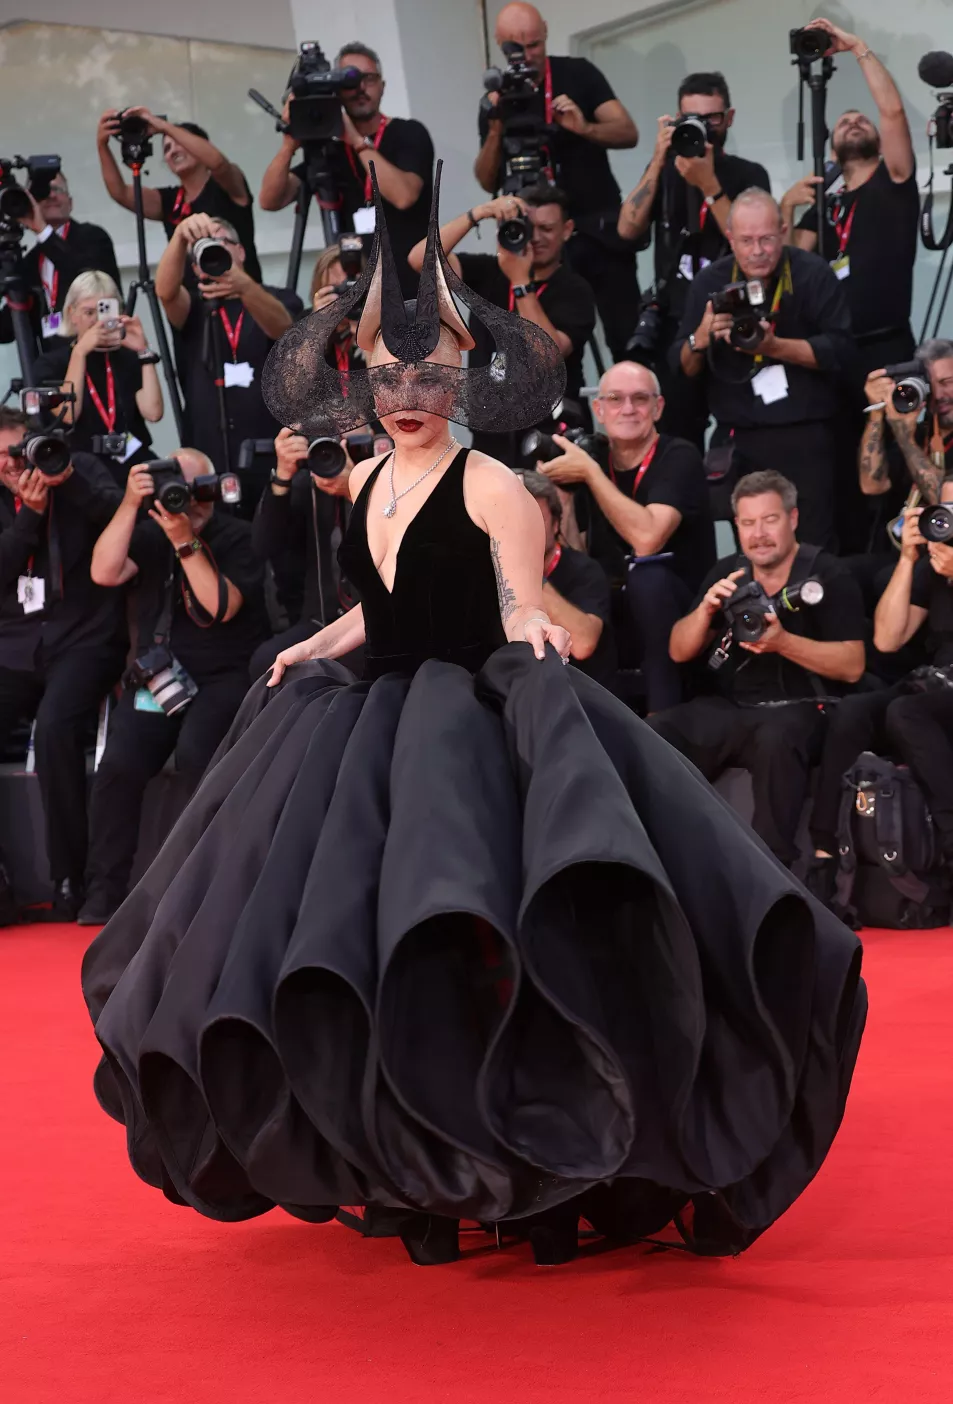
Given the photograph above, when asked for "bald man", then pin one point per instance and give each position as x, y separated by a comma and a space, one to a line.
643, 505
200, 597
590, 121
777, 401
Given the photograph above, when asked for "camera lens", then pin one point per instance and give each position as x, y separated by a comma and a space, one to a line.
514, 234
539, 447
175, 496
910, 395
326, 458
751, 625
810, 43
936, 524
50, 455
211, 257
15, 202
747, 331
689, 137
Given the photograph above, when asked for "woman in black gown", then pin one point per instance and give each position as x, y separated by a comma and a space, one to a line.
464, 938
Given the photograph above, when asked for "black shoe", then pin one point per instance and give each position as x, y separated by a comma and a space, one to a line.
98, 908
821, 880
554, 1234
68, 897
431, 1240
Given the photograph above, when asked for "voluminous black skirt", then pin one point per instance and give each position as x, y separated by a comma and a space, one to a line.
472, 945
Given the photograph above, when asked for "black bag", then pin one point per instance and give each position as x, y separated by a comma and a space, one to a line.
888, 871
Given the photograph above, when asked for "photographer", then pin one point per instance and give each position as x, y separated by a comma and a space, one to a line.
870, 233
646, 497
227, 326
327, 280
64, 248
776, 397
912, 720
585, 120
200, 601
913, 454
684, 201
804, 655
575, 590
534, 282
116, 391
209, 183
399, 147
62, 638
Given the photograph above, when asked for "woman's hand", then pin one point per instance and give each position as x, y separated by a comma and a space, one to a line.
538, 632
298, 653
98, 337
135, 338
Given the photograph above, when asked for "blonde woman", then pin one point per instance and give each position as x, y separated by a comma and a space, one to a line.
117, 391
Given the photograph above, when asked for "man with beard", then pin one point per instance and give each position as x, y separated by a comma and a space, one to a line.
870, 233
769, 714
912, 454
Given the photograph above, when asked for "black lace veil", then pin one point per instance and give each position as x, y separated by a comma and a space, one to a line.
306, 391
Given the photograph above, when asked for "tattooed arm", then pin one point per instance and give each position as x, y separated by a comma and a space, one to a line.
636, 212
923, 471
872, 459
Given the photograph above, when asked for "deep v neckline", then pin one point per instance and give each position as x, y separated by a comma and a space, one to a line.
366, 491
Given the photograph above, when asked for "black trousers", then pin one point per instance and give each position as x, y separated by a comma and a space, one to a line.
138, 746
611, 273
914, 727
807, 455
654, 598
63, 695
776, 745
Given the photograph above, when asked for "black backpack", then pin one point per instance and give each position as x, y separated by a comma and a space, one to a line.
888, 871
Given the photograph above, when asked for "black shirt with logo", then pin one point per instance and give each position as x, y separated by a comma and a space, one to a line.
582, 582
213, 200
127, 382
881, 248
752, 678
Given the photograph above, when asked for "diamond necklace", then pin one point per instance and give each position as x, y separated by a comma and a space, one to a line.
395, 497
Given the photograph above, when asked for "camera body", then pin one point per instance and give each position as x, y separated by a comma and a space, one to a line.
936, 523
110, 445
522, 110
691, 133
176, 495
744, 302
912, 386
747, 609
15, 198
315, 112
943, 121
809, 45
163, 676
44, 445
135, 140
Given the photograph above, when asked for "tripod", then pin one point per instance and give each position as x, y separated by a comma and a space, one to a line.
936, 245
817, 83
144, 283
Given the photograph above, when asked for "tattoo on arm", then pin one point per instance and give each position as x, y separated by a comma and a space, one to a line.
873, 463
640, 194
504, 590
925, 474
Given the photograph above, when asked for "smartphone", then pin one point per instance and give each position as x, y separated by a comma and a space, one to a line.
107, 309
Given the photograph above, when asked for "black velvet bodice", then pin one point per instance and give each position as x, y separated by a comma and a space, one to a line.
444, 602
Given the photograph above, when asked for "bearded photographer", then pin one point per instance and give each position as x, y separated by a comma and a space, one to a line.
775, 396
913, 720
208, 182
641, 500
586, 121
62, 638
226, 325
768, 716
200, 600
684, 202
399, 147
899, 449
107, 364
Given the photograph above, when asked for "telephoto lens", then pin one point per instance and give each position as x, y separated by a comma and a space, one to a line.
514, 234
14, 202
936, 523
690, 136
211, 257
540, 447
326, 458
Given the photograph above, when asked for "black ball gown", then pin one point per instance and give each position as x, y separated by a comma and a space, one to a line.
466, 939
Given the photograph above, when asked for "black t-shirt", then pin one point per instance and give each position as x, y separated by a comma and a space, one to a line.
814, 310
677, 210
406, 144
204, 652
127, 381
248, 417
581, 167
884, 218
582, 582
750, 678
216, 202
889, 504
934, 593
674, 478
566, 299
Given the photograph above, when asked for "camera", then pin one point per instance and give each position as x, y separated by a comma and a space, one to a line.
936, 523
936, 68
211, 257
745, 304
912, 388
644, 341
110, 445
14, 199
177, 495
44, 444
316, 87
809, 45
514, 234
522, 110
327, 459
135, 141
351, 260
690, 135
746, 609
539, 447
162, 674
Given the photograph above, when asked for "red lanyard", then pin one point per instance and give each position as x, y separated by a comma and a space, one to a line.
844, 227
52, 287
557, 555
107, 415
233, 333
539, 289
643, 469
548, 92
181, 209
368, 187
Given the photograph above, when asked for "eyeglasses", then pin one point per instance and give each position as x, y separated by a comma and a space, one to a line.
746, 241
641, 399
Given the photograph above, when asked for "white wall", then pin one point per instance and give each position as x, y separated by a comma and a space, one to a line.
236, 21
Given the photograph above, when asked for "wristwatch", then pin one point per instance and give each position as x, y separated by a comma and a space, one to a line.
191, 548
275, 477
522, 289
713, 199
697, 350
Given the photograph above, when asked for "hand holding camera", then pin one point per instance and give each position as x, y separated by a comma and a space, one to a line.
699, 171
721, 591
517, 267
177, 526
910, 538
573, 465
140, 485
291, 451
33, 487
234, 283
841, 42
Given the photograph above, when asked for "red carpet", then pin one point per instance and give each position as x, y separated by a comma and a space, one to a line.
110, 1294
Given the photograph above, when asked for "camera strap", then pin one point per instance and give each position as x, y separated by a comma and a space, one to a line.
163, 625
643, 468
108, 413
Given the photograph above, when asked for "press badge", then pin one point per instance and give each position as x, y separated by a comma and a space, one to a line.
132, 445
841, 266
31, 593
364, 220
771, 384
52, 324
239, 373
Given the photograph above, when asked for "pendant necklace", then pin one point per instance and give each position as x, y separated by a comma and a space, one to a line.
395, 497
